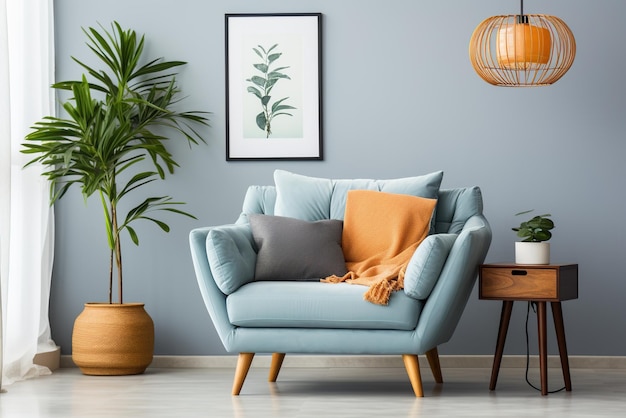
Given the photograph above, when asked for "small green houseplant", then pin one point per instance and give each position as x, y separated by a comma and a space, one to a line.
534, 248
536, 229
112, 142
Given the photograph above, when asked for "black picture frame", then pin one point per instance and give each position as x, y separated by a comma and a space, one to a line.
273, 86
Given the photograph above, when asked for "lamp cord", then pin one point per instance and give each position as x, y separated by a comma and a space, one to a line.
534, 306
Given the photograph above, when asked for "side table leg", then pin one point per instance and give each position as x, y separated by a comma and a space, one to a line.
543, 346
505, 318
557, 314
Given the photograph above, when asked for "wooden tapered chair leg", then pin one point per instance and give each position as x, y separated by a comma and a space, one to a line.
243, 365
435, 366
411, 363
277, 362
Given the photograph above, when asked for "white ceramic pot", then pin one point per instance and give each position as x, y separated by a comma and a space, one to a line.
532, 252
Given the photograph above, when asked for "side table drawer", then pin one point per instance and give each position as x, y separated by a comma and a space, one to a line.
528, 283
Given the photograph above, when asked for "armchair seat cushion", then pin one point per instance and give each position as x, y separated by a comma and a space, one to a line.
283, 304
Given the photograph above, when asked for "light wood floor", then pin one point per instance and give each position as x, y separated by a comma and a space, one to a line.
313, 392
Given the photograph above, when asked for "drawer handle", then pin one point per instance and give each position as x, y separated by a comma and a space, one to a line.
519, 272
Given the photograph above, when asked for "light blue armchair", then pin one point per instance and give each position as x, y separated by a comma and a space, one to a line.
279, 317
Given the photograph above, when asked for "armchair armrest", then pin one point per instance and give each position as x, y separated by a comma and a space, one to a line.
214, 298
448, 298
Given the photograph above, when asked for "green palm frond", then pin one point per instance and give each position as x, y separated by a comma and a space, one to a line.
118, 115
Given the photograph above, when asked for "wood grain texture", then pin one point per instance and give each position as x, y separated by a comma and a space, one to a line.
243, 365
277, 362
412, 366
549, 283
310, 392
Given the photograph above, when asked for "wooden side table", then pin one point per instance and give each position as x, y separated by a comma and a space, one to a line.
535, 283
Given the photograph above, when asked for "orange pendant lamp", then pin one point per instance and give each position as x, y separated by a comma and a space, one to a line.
522, 50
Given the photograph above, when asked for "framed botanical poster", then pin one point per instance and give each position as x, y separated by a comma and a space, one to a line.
273, 86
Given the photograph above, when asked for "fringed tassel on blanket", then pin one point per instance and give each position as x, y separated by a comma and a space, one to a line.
379, 292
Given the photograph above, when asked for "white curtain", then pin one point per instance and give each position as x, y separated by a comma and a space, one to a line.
26, 218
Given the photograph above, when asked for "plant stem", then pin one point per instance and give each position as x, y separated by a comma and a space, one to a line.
118, 249
109, 211
111, 278
268, 129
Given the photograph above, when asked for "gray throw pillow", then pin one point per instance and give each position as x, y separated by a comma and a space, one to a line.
292, 249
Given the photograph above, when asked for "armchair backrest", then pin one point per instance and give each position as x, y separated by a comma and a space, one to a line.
454, 206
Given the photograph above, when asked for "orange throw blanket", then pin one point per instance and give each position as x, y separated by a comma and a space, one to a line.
380, 234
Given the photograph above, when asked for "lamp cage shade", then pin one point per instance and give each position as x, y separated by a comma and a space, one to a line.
522, 50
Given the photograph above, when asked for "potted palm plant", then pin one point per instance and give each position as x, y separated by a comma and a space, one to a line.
111, 143
534, 248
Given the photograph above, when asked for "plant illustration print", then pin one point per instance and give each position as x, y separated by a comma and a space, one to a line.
262, 86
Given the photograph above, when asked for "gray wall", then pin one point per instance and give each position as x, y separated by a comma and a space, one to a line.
400, 99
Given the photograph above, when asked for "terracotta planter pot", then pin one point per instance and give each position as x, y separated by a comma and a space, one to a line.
113, 339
